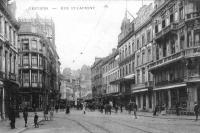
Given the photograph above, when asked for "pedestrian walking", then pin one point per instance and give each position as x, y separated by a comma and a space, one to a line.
67, 111
177, 109
25, 115
121, 107
116, 108
155, 110
84, 107
56, 108
46, 113
36, 120
51, 113
135, 109
196, 110
12, 117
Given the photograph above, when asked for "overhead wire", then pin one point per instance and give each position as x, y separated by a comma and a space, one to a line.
95, 27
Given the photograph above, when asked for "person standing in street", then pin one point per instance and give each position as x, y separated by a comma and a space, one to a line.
25, 115
196, 110
36, 120
84, 107
56, 107
135, 109
12, 117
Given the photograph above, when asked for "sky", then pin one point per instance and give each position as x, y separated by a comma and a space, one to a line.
84, 29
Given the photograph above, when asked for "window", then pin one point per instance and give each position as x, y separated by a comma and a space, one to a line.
14, 38
132, 47
164, 50
25, 44
26, 77
148, 36
138, 76
172, 46
156, 28
133, 67
40, 46
138, 57
34, 77
34, 60
196, 38
126, 69
189, 39
25, 59
0, 25
10, 34
163, 23
40, 62
143, 40
129, 68
171, 18
181, 15
138, 43
34, 44
125, 51
143, 56
129, 49
10, 59
149, 54
5, 29
143, 75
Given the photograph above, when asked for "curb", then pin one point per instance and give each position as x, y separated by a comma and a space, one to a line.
24, 129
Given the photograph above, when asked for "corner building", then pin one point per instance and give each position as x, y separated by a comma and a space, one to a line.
176, 46
38, 63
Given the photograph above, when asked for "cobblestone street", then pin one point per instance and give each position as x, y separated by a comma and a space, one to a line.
95, 122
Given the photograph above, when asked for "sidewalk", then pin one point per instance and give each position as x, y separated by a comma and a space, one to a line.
167, 116
19, 123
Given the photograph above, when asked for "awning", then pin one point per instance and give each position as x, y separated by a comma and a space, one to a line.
140, 90
170, 86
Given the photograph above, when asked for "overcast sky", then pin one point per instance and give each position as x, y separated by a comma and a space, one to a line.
82, 34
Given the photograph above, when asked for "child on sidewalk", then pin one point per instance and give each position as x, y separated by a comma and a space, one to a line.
36, 120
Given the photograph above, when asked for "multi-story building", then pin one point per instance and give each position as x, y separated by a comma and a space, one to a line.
110, 76
38, 65
8, 57
96, 78
142, 89
126, 59
175, 66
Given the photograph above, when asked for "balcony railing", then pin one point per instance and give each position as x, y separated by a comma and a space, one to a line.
167, 29
166, 82
149, 84
192, 15
12, 76
194, 51
168, 59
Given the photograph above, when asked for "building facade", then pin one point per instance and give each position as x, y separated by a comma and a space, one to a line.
39, 63
96, 78
8, 57
126, 59
110, 75
175, 63
142, 90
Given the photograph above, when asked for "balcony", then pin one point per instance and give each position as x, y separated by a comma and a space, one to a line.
149, 84
193, 15
166, 60
166, 30
193, 52
166, 82
12, 76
